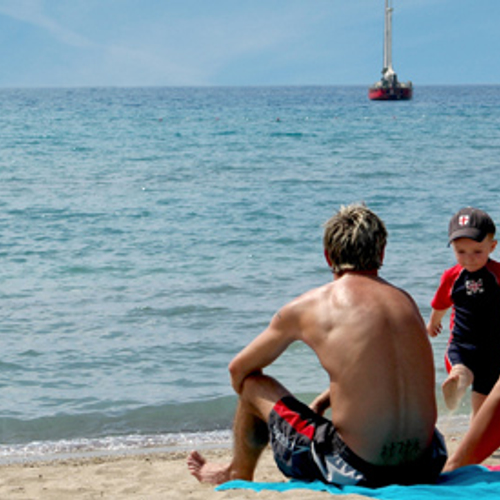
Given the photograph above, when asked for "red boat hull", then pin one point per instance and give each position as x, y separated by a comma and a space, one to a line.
390, 93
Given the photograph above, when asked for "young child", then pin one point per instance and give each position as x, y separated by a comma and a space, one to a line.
472, 289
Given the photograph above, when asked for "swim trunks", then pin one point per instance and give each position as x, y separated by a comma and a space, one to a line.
307, 446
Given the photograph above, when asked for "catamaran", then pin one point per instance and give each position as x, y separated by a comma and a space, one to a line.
389, 88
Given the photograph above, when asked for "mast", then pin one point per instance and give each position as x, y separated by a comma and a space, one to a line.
388, 88
388, 38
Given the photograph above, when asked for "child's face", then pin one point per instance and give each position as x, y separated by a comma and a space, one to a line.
473, 255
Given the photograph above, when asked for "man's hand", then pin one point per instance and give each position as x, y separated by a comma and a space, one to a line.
321, 403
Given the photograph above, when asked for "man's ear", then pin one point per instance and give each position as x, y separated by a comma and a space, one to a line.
327, 257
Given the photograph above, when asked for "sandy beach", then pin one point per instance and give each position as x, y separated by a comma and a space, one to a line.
139, 476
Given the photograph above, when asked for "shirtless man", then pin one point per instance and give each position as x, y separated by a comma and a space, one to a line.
372, 342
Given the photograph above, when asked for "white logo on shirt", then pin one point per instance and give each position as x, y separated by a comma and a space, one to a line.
474, 287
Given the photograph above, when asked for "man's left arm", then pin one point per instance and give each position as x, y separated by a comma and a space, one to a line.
321, 403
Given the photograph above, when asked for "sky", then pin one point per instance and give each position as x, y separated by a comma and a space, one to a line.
82, 43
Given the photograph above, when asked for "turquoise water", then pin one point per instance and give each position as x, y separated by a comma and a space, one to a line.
148, 234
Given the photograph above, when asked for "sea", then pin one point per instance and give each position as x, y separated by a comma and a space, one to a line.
148, 234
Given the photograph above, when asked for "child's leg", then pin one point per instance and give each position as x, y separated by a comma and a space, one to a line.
455, 386
476, 401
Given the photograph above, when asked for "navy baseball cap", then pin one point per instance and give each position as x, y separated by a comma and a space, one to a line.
470, 223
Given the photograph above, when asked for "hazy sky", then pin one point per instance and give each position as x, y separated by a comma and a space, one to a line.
244, 42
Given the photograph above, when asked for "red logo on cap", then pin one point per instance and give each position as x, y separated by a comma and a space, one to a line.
463, 220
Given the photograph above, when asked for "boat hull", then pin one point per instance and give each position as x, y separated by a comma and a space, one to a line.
390, 93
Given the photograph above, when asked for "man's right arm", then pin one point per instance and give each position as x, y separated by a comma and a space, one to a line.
265, 348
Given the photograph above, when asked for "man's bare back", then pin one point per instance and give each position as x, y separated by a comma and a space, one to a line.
372, 342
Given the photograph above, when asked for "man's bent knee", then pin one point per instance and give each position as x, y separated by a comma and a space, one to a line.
262, 386
262, 392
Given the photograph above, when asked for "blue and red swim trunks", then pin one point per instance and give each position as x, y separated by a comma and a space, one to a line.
307, 446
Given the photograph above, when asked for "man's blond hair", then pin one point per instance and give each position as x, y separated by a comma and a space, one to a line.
355, 239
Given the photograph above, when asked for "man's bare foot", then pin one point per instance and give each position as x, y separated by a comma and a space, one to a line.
453, 391
207, 472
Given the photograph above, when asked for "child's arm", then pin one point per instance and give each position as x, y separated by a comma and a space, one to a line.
434, 326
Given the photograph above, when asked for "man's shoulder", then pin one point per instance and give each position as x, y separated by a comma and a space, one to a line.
311, 295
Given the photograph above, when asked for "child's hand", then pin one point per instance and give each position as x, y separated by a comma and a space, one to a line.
434, 329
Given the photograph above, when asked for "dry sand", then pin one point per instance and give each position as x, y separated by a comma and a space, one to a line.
140, 476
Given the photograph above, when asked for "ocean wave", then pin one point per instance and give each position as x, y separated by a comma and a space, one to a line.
132, 443
213, 415
449, 425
